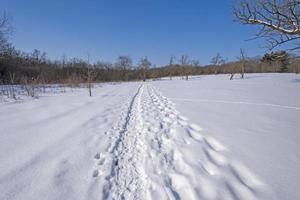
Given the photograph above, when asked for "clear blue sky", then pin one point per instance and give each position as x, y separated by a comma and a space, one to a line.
109, 28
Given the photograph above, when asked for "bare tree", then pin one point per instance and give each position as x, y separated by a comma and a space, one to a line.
243, 62
63, 60
217, 61
184, 62
172, 60
36, 54
195, 63
124, 63
144, 66
30, 85
90, 75
240, 65
171, 64
12, 86
279, 20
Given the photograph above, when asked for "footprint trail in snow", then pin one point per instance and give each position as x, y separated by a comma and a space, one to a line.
156, 153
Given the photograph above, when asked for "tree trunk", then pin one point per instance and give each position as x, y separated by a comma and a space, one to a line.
90, 89
243, 70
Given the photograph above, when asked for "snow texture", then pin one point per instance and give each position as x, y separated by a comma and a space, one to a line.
222, 140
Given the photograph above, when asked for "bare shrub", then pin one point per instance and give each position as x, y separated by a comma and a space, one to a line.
30, 86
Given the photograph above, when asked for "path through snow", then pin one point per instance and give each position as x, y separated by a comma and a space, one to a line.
127, 142
156, 153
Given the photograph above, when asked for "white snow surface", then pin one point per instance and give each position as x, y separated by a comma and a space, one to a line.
205, 138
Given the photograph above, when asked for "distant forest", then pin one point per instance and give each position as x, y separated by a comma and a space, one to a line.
19, 67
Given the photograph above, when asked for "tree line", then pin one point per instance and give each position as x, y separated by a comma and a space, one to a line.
18, 67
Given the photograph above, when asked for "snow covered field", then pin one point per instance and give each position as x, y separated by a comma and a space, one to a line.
206, 138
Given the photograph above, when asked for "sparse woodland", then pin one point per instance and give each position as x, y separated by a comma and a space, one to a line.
18, 67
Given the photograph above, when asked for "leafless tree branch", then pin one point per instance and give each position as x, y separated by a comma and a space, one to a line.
279, 19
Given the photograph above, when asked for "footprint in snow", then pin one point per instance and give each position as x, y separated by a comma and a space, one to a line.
97, 156
245, 176
210, 168
215, 144
183, 123
95, 173
182, 118
195, 127
195, 135
180, 187
101, 162
216, 157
